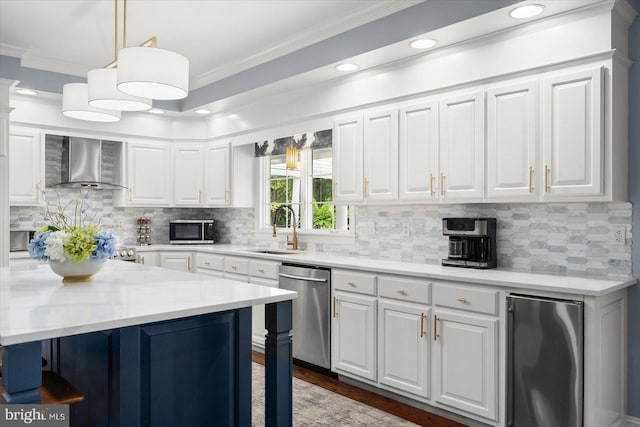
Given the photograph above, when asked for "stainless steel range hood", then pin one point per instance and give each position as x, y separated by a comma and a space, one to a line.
81, 165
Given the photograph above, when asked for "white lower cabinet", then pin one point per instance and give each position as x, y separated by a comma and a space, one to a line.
353, 338
403, 346
210, 264
465, 362
176, 260
148, 258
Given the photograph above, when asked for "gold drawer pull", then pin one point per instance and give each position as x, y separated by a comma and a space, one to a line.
234, 267
431, 178
546, 178
402, 292
435, 328
261, 270
207, 263
461, 300
335, 300
442, 190
351, 284
422, 316
530, 179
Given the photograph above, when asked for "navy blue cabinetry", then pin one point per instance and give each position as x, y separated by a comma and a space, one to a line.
194, 371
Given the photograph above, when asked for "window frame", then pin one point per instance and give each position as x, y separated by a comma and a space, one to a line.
263, 218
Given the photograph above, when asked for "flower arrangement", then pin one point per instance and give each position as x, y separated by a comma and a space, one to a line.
78, 238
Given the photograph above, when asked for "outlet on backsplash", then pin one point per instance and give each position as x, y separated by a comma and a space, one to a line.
405, 230
619, 237
371, 228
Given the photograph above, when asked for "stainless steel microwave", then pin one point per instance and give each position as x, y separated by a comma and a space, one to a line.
191, 231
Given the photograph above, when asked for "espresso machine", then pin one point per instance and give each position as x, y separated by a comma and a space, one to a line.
472, 242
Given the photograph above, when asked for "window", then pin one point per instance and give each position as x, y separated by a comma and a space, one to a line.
306, 192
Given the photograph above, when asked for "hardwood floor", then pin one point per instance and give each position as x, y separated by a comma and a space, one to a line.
391, 406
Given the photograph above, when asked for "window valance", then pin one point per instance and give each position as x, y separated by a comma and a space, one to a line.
309, 140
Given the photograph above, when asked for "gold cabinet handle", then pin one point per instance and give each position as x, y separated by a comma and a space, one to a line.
546, 178
431, 178
261, 270
530, 179
37, 192
353, 284
199, 196
335, 302
442, 191
207, 263
188, 263
141, 260
435, 328
402, 292
422, 316
234, 267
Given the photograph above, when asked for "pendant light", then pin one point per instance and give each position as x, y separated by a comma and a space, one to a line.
103, 92
291, 158
75, 104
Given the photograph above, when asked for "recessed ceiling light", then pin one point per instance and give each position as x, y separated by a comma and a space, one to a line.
347, 67
423, 43
202, 111
155, 111
528, 11
24, 91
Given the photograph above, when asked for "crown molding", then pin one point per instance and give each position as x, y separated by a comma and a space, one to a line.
314, 34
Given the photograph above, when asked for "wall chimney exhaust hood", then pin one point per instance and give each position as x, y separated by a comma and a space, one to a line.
81, 165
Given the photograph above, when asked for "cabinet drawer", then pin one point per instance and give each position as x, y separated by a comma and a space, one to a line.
210, 261
466, 298
405, 289
265, 269
236, 265
352, 281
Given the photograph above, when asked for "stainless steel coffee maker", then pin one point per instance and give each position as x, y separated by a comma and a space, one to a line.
472, 242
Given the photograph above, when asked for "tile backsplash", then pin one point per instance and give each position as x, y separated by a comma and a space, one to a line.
572, 238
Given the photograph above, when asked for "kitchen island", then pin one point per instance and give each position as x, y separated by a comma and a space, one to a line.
147, 346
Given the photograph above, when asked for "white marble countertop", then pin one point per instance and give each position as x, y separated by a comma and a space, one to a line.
497, 277
36, 305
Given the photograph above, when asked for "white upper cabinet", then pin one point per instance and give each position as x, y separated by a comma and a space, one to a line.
216, 175
419, 152
347, 160
512, 167
149, 173
572, 135
462, 147
26, 168
381, 156
188, 174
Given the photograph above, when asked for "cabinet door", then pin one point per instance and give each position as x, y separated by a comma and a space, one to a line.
176, 261
347, 160
26, 168
148, 258
572, 134
188, 174
217, 168
462, 147
419, 152
149, 173
512, 141
403, 346
381, 156
465, 369
353, 346
257, 321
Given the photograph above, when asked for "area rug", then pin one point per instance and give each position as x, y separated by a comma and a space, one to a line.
315, 406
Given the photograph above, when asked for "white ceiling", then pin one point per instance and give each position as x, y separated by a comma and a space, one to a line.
245, 49
220, 38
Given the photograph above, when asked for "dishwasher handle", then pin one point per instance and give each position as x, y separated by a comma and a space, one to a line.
306, 279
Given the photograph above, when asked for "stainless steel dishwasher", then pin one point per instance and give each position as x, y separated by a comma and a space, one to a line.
544, 362
311, 328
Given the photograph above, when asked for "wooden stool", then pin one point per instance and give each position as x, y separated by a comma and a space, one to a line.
54, 388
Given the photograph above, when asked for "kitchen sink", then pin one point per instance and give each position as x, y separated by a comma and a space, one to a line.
272, 251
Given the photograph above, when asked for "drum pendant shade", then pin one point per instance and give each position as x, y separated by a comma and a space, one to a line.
103, 92
150, 72
75, 104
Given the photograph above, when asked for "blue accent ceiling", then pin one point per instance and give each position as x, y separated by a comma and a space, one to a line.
419, 19
633, 359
